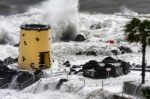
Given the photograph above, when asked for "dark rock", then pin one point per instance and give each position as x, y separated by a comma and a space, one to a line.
114, 52
125, 49
67, 64
10, 60
16, 45
125, 66
88, 53
109, 60
95, 26
89, 68
75, 69
1, 63
16, 60
90, 65
138, 66
79, 38
102, 73
93, 69
79, 53
61, 81
91, 53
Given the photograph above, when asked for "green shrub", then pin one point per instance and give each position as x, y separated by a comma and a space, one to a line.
146, 92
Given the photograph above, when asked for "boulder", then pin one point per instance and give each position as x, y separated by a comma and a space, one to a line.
16, 45
90, 65
94, 69
103, 73
79, 38
114, 52
91, 53
89, 68
88, 53
61, 81
79, 53
95, 26
67, 64
75, 69
10, 60
125, 49
125, 66
109, 60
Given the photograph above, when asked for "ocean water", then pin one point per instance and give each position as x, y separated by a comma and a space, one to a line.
8, 7
113, 6
67, 17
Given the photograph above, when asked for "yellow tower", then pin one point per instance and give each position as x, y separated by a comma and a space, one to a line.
35, 47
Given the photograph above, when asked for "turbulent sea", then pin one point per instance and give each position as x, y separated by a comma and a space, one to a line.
68, 18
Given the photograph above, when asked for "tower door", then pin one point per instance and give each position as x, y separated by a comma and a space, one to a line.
44, 59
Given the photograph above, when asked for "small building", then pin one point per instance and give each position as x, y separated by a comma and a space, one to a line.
35, 47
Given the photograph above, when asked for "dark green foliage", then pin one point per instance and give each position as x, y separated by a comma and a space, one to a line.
146, 92
139, 31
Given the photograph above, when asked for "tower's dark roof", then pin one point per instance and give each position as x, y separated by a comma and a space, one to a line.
38, 27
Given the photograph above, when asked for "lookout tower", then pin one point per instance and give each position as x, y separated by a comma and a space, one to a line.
35, 47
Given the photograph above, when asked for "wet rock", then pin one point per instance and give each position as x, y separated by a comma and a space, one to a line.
16, 45
61, 81
79, 38
67, 64
125, 49
88, 53
79, 53
114, 52
89, 68
92, 64
91, 53
125, 66
109, 60
95, 26
94, 69
138, 66
1, 63
114, 72
9, 60
75, 69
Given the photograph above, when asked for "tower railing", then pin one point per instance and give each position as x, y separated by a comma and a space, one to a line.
22, 85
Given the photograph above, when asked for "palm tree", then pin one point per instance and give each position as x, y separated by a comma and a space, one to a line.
139, 31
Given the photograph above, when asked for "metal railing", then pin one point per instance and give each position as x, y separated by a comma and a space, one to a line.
24, 84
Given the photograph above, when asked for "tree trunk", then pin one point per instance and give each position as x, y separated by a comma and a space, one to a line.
143, 62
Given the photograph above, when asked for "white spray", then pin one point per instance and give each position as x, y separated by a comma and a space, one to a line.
60, 14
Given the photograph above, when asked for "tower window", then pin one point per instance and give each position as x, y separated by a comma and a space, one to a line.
23, 59
37, 39
25, 43
23, 34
